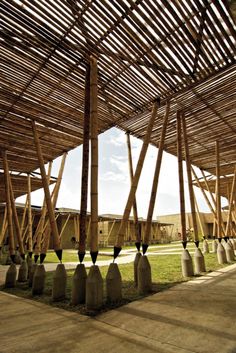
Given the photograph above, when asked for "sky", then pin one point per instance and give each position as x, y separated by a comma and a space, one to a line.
114, 181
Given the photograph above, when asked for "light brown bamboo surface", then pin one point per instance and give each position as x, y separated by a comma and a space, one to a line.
134, 185
30, 221
147, 233
231, 204
225, 184
183, 51
8, 204
218, 199
94, 153
181, 177
131, 175
189, 176
4, 226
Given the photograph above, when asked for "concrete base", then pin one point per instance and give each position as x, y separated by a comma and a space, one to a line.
214, 246
199, 261
78, 293
31, 272
205, 247
94, 289
18, 259
38, 280
113, 283
30, 264
136, 261
187, 264
229, 252
23, 272
221, 255
144, 276
10, 280
233, 243
59, 283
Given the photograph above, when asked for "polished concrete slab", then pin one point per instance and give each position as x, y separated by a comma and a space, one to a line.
196, 316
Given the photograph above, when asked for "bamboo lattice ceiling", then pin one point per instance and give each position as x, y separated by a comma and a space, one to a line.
179, 50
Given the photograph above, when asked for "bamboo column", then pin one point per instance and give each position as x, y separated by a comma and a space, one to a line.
208, 188
190, 184
218, 199
24, 216
30, 235
181, 180
85, 168
8, 203
231, 203
94, 158
130, 201
198, 214
3, 230
16, 221
155, 181
51, 214
135, 210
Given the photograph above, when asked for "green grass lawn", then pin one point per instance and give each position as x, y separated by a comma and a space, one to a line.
72, 256
166, 272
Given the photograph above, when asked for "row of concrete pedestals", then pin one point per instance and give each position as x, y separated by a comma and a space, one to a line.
88, 289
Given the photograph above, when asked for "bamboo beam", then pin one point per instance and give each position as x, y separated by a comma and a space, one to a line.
231, 202
155, 180
85, 168
94, 158
16, 220
135, 210
30, 235
8, 204
190, 183
198, 214
181, 180
4, 226
130, 201
218, 199
51, 214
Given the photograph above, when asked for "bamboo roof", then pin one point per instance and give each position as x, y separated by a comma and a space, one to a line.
183, 51
20, 186
225, 185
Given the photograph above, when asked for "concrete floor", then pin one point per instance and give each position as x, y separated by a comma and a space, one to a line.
197, 316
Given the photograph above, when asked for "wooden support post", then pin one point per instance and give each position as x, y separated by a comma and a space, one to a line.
85, 168
231, 203
155, 181
53, 224
8, 203
190, 184
218, 199
181, 179
130, 201
94, 159
30, 235
16, 221
135, 210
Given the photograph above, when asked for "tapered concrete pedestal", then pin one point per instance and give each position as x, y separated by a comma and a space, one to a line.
30, 264
10, 280
214, 246
18, 259
233, 243
229, 252
144, 276
78, 293
187, 264
38, 280
94, 289
221, 255
205, 246
199, 261
59, 283
114, 283
31, 272
136, 261
23, 272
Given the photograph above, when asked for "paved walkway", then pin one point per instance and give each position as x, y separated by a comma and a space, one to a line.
196, 316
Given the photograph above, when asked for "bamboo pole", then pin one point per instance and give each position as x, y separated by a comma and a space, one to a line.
29, 238
208, 188
76, 228
94, 158
135, 210
110, 232
3, 230
231, 202
190, 183
51, 214
85, 168
218, 199
181, 180
59, 180
64, 225
8, 203
198, 214
15, 219
155, 180
130, 201
24, 216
